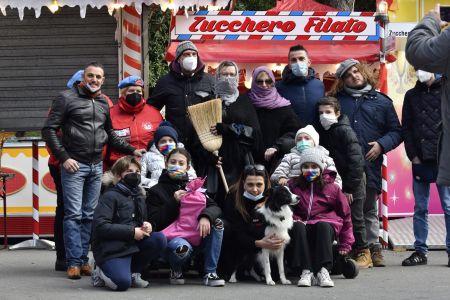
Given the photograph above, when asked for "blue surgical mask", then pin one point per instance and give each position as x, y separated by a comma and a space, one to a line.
303, 145
252, 197
299, 69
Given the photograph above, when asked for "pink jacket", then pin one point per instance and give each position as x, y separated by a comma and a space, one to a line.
192, 204
328, 205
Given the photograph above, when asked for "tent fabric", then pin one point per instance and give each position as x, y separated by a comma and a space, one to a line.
301, 5
247, 51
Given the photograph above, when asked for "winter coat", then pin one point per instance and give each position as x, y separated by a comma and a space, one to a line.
114, 222
325, 205
162, 207
427, 49
86, 127
303, 93
136, 128
290, 166
346, 152
373, 118
421, 118
153, 163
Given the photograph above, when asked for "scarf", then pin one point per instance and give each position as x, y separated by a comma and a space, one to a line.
227, 87
357, 93
134, 193
123, 104
266, 98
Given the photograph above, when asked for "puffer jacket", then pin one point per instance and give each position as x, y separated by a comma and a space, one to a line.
114, 222
303, 92
86, 127
153, 164
325, 205
290, 166
421, 118
373, 118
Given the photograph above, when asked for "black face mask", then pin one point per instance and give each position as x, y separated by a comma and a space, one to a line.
132, 180
133, 99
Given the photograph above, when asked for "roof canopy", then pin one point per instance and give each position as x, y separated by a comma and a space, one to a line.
112, 4
301, 5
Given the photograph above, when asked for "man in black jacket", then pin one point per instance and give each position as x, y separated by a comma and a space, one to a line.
82, 114
420, 128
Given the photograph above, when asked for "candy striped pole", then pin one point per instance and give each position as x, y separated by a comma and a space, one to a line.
131, 42
35, 150
384, 204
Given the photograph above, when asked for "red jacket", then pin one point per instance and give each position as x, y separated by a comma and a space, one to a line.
137, 124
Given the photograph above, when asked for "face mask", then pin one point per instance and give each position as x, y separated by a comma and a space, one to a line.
423, 76
226, 85
91, 89
133, 99
303, 145
132, 180
326, 120
176, 172
299, 69
166, 148
252, 197
311, 174
190, 63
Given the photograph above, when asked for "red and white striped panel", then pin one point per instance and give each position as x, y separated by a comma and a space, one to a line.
384, 204
131, 42
35, 151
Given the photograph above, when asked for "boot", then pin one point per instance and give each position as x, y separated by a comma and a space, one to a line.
377, 258
363, 258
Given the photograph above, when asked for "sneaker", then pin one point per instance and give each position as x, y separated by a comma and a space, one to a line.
96, 278
212, 279
176, 277
377, 258
363, 258
60, 265
73, 272
138, 282
415, 259
86, 270
324, 278
305, 278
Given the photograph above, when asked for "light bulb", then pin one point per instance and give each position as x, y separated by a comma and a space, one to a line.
382, 8
54, 6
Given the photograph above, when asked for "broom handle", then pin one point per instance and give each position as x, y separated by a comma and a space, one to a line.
222, 174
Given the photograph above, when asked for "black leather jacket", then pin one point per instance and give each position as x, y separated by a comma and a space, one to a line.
86, 127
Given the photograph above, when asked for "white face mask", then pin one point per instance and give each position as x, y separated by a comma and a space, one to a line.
189, 63
92, 89
326, 120
252, 197
423, 76
299, 69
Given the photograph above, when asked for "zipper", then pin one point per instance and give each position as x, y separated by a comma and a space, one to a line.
311, 197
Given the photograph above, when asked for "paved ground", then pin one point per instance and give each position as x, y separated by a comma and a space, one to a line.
28, 274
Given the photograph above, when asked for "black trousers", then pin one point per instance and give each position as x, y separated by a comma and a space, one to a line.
357, 210
59, 214
311, 247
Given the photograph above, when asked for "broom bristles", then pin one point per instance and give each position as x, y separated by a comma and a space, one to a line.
203, 116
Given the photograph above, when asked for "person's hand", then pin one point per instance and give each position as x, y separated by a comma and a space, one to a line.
204, 227
270, 242
269, 153
436, 13
139, 233
139, 152
283, 181
374, 152
416, 161
213, 130
71, 165
147, 227
179, 194
343, 252
349, 198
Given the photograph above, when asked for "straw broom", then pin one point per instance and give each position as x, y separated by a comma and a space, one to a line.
203, 116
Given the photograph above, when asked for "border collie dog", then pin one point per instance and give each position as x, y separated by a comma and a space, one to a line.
278, 221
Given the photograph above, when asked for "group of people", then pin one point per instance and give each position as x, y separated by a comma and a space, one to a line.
162, 199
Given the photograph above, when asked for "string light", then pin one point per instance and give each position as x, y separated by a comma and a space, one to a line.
54, 6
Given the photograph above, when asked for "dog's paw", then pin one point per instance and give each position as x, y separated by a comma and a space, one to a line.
270, 282
233, 278
285, 281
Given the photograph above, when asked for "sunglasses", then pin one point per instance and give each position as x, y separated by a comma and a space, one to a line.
257, 167
267, 82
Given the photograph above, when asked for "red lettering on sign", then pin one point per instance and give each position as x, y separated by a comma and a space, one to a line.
325, 25
203, 25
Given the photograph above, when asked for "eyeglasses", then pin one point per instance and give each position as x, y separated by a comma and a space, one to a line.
267, 82
257, 167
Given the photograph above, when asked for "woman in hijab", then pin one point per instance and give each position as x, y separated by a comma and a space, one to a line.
277, 119
242, 141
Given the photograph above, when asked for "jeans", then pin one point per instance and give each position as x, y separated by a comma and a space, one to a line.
210, 246
357, 209
119, 269
421, 192
81, 192
55, 172
371, 219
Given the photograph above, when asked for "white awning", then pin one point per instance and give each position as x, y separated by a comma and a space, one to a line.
53, 5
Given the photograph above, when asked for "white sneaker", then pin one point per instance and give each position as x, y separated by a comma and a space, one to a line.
96, 278
305, 278
212, 279
137, 281
324, 278
176, 278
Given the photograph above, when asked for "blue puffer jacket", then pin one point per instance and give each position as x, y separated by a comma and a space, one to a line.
373, 118
304, 94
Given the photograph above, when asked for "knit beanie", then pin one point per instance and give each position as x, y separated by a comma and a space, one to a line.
165, 129
312, 155
183, 46
309, 130
344, 66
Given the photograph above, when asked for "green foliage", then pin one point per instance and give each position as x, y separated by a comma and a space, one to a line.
255, 4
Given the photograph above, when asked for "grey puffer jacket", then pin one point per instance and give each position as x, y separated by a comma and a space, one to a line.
290, 166
428, 49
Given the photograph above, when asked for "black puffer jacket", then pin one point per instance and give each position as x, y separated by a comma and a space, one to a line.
346, 152
114, 221
86, 127
421, 118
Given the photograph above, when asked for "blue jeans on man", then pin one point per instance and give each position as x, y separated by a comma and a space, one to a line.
81, 193
421, 192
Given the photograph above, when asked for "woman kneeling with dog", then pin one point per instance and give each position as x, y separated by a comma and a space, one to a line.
321, 217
